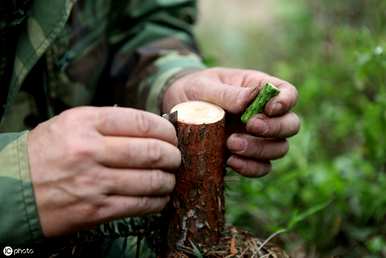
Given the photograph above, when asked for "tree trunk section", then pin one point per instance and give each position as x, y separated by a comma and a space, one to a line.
195, 216
194, 219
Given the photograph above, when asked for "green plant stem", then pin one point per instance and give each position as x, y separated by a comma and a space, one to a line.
266, 94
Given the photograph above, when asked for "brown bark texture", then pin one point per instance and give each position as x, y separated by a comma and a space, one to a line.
195, 216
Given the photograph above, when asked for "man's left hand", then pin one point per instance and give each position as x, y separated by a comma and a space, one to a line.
234, 89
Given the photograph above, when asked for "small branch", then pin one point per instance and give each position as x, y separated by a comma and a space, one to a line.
266, 94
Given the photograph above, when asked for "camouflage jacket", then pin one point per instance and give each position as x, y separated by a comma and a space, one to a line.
57, 54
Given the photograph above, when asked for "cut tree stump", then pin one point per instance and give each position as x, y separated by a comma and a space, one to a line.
196, 214
194, 218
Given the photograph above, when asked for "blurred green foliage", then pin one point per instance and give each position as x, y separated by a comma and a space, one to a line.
335, 53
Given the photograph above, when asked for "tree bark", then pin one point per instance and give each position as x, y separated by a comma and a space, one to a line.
195, 216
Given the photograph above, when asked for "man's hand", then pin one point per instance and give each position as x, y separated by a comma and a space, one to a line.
233, 89
90, 165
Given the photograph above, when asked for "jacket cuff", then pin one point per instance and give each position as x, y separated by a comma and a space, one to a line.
169, 66
19, 223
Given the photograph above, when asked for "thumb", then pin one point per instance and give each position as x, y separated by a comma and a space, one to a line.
231, 98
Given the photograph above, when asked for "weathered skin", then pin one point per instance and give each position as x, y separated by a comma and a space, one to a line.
66, 53
63, 53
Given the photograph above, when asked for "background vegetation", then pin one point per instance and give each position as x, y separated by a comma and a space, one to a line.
330, 191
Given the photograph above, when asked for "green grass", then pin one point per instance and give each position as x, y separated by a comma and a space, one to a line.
333, 181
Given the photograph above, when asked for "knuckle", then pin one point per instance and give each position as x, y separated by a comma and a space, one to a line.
266, 128
89, 206
68, 117
178, 158
87, 211
161, 203
241, 98
264, 170
222, 96
92, 211
78, 143
240, 104
104, 180
285, 149
144, 204
154, 152
295, 125
170, 182
143, 123
258, 169
155, 181
248, 169
77, 150
292, 95
172, 133
103, 120
213, 70
85, 181
74, 114
277, 129
260, 151
193, 92
161, 182
53, 126
282, 150
174, 138
71, 118
294, 91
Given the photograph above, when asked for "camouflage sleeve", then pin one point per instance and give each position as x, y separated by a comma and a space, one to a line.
19, 221
154, 42
12, 14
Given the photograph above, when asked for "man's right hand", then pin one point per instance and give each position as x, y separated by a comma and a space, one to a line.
90, 165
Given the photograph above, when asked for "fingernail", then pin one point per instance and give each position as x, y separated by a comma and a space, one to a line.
236, 143
234, 162
229, 160
276, 108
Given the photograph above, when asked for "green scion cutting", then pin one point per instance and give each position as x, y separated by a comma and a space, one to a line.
266, 94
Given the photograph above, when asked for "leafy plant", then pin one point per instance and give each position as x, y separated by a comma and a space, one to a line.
329, 190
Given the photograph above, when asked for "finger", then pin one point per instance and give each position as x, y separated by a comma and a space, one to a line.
283, 102
257, 148
280, 104
116, 121
274, 127
134, 182
122, 206
232, 98
249, 168
128, 152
